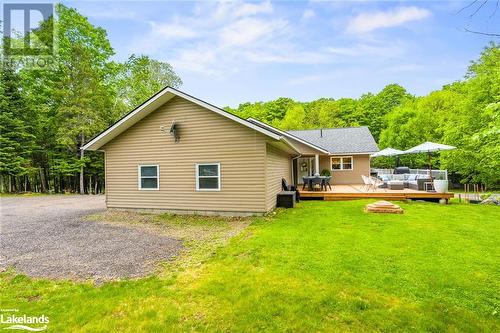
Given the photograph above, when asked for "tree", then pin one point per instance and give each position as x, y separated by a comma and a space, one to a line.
373, 108
16, 141
294, 118
47, 115
463, 114
140, 77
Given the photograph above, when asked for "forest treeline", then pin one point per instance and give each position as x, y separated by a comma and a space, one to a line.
464, 114
47, 115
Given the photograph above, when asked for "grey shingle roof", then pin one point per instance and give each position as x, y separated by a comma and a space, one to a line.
340, 140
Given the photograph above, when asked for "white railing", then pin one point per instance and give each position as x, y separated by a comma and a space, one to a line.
436, 174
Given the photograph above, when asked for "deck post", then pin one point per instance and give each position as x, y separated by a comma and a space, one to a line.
316, 164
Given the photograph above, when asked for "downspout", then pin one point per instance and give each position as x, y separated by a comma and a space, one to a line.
294, 178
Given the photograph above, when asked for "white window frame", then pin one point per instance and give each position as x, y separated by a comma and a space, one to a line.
139, 177
342, 163
197, 168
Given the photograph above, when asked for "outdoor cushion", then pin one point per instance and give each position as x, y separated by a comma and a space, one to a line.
384, 177
412, 177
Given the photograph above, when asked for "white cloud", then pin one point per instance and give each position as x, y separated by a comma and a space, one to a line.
249, 30
366, 22
172, 31
248, 9
308, 14
219, 39
228, 10
393, 48
216, 36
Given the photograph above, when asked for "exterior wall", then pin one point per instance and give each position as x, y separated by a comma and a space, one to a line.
278, 166
361, 166
204, 137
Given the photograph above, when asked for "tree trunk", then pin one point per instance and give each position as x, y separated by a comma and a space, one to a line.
42, 180
82, 188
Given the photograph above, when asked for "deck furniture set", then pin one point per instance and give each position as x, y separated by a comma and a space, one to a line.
312, 181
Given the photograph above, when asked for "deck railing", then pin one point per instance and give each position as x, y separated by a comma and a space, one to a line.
436, 174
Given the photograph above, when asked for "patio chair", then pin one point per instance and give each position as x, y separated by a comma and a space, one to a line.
317, 181
305, 182
377, 183
326, 182
293, 188
367, 183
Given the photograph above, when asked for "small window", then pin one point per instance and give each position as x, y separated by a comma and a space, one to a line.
208, 177
336, 163
342, 163
149, 177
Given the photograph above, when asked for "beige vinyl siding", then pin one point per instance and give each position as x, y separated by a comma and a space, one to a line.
361, 166
278, 166
205, 137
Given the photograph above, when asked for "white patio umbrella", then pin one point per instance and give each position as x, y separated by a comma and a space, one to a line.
429, 148
388, 152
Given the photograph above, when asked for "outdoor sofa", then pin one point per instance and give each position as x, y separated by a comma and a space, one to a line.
411, 181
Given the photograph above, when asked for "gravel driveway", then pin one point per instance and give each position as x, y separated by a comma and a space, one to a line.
47, 236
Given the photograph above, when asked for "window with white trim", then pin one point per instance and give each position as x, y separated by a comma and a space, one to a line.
149, 177
341, 163
208, 177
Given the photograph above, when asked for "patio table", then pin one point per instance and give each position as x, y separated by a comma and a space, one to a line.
310, 180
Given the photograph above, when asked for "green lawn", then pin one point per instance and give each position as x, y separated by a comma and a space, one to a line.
324, 266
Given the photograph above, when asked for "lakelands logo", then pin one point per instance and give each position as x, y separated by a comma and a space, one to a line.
24, 322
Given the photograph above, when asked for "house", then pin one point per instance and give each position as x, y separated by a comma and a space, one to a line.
178, 153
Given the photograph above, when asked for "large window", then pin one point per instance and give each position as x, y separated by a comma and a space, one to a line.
208, 177
149, 177
341, 163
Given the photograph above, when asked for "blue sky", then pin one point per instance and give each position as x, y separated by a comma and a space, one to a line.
233, 52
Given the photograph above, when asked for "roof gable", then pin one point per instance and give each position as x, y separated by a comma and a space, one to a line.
154, 103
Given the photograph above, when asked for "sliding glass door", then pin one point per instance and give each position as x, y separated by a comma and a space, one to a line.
305, 167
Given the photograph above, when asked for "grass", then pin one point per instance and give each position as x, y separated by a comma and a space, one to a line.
324, 266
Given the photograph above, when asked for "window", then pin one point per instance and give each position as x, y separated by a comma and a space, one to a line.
149, 177
208, 177
342, 163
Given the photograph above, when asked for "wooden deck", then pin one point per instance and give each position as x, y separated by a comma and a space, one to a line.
355, 191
